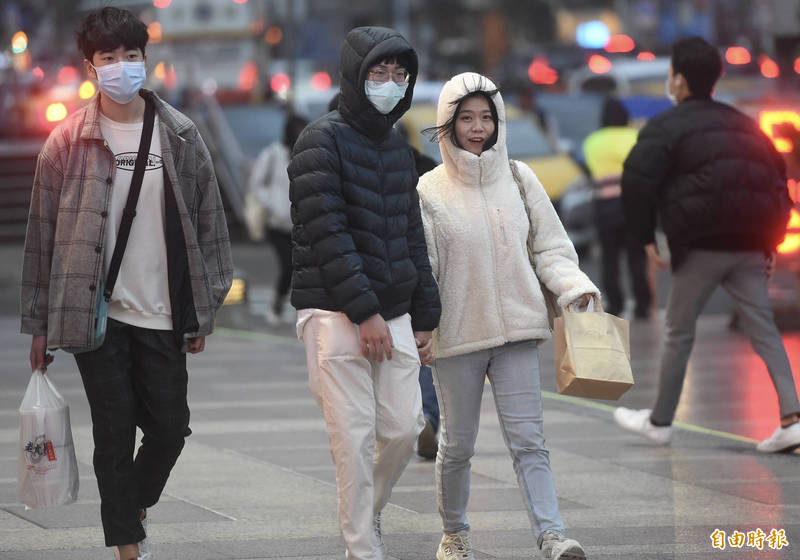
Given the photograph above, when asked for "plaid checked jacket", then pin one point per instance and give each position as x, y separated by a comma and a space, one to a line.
64, 243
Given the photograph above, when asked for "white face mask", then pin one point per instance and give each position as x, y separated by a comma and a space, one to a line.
670, 95
121, 81
385, 95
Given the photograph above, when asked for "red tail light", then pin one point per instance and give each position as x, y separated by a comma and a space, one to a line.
599, 64
620, 44
769, 68
737, 55
540, 71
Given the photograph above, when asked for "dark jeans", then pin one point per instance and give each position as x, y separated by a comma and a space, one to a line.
612, 242
282, 242
136, 378
430, 406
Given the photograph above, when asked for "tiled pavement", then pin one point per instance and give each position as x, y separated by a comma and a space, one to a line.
256, 479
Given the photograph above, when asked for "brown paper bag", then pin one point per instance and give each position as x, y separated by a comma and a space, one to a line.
592, 355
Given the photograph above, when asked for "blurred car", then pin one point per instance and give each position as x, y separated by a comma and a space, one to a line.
311, 103
565, 182
630, 77
34, 104
31, 106
621, 77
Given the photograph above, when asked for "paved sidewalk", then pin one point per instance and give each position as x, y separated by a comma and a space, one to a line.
256, 479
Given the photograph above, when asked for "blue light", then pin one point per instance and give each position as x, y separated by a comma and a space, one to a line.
592, 34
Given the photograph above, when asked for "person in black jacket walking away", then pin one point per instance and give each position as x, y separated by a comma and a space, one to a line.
362, 283
718, 186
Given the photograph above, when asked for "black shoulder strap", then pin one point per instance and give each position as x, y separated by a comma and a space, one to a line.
133, 196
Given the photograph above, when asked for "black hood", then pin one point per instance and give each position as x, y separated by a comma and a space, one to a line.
362, 48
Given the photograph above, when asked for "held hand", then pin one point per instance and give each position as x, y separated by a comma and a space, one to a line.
581, 302
771, 262
375, 339
40, 359
655, 257
196, 345
424, 340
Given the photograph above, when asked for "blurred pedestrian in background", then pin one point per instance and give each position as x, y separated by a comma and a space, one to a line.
605, 151
718, 187
269, 209
175, 270
493, 311
366, 298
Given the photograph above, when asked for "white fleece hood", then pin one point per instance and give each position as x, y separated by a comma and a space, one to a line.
459, 163
476, 230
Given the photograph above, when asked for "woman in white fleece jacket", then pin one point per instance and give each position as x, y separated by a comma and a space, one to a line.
493, 310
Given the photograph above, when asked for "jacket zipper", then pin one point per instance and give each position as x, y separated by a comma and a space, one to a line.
494, 257
382, 180
112, 173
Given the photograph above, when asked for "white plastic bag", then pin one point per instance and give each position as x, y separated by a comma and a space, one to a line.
48, 469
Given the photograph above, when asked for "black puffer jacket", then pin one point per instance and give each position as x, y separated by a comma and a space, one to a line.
358, 241
713, 178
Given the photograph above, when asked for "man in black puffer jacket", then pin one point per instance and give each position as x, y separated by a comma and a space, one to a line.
362, 282
718, 187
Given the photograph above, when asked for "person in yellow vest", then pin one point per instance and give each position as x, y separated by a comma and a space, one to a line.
605, 151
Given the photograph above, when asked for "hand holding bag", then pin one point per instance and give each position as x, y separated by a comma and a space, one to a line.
47, 473
592, 354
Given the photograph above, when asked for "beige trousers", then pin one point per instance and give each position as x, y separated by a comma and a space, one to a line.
373, 411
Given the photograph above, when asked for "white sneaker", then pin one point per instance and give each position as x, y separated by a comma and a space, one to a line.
116, 555
638, 421
379, 534
555, 546
455, 547
272, 318
782, 440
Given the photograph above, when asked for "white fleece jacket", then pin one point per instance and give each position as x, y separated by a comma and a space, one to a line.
476, 230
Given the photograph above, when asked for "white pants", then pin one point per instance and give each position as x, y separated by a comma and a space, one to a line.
373, 411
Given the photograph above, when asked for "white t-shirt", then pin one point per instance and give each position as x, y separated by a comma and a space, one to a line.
141, 294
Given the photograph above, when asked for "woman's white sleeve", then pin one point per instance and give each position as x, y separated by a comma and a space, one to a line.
554, 256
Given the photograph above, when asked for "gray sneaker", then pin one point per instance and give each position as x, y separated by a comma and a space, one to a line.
555, 546
455, 547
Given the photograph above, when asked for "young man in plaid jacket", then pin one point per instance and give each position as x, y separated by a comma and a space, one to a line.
175, 271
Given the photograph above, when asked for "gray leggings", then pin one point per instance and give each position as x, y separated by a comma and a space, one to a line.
743, 276
513, 371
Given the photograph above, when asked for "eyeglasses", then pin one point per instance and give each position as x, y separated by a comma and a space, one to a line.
381, 75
